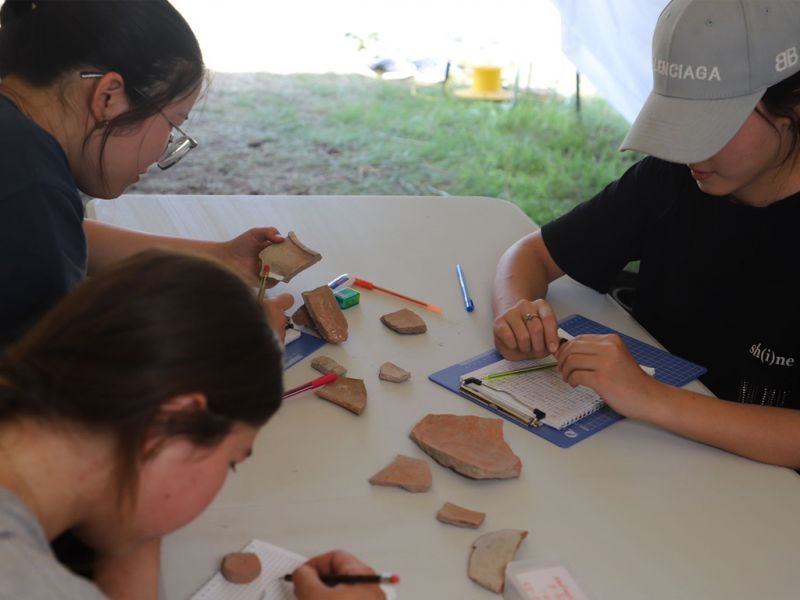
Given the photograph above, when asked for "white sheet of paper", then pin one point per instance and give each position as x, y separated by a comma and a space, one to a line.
547, 582
275, 563
291, 335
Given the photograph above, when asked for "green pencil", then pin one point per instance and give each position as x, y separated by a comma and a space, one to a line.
501, 374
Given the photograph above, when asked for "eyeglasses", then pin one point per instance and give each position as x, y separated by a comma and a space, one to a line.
178, 146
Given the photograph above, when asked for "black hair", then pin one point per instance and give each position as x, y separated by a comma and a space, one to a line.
147, 42
782, 100
157, 326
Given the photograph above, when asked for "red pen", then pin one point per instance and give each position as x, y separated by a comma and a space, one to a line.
310, 385
371, 286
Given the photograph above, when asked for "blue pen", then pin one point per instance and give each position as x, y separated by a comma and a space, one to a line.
468, 303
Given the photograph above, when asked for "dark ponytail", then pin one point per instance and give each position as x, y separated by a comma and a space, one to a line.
14, 9
148, 42
159, 325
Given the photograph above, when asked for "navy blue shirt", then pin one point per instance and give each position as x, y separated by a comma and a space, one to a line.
43, 253
717, 280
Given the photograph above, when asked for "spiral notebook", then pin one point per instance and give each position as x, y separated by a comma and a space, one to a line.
663, 366
538, 397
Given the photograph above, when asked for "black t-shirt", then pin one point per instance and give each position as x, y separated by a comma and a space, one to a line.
717, 280
43, 251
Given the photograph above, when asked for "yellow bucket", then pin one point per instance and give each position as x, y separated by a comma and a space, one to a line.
486, 79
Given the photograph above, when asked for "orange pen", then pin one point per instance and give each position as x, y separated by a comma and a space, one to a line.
371, 286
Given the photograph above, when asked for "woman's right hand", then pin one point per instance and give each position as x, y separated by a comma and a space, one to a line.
308, 586
528, 329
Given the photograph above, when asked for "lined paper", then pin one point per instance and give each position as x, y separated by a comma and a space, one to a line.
275, 563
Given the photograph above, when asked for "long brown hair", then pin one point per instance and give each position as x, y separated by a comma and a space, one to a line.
159, 325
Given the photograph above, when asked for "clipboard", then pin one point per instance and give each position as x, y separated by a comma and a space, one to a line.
669, 369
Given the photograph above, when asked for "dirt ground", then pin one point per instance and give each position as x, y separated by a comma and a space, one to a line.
245, 146
229, 153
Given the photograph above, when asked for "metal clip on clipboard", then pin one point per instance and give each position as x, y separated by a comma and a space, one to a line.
529, 421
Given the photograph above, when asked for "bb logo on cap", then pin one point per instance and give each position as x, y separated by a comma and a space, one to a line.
713, 60
786, 59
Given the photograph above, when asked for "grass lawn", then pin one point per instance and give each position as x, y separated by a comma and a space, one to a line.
334, 134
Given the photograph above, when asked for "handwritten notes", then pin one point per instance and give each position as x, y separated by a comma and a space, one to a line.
535, 580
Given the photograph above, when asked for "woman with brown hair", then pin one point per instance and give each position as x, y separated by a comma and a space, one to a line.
92, 94
121, 413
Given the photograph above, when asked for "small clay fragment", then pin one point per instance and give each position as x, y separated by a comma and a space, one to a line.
404, 321
472, 446
453, 514
412, 474
325, 365
326, 314
490, 554
347, 392
241, 567
302, 318
288, 258
391, 372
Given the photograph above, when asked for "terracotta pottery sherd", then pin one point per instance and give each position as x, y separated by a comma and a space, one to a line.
453, 514
302, 318
412, 474
288, 258
325, 365
404, 321
391, 372
326, 314
490, 554
241, 567
471, 446
346, 392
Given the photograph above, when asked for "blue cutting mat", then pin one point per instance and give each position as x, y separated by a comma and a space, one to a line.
303, 346
669, 369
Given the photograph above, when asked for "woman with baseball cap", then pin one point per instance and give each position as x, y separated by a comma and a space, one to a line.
711, 215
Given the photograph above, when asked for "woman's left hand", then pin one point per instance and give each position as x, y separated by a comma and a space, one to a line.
603, 363
241, 253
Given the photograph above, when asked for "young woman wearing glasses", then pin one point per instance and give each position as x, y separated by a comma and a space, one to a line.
91, 95
120, 419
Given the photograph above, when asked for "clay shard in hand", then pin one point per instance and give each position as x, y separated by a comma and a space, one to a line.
288, 258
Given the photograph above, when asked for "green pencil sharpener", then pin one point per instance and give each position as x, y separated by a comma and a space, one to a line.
347, 297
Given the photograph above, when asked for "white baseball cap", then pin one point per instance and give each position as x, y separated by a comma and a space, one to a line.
712, 62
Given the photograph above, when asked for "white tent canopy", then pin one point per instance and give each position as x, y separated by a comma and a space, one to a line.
610, 42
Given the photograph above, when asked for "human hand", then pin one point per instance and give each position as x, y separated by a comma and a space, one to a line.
526, 330
604, 364
241, 253
275, 307
308, 586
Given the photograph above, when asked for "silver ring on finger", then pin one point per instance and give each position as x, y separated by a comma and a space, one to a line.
529, 317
